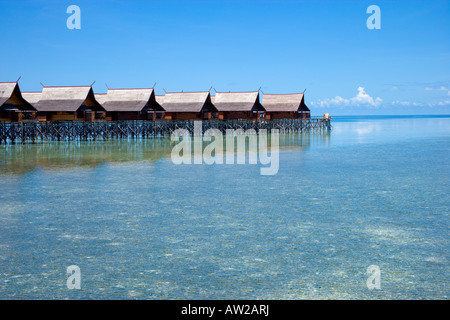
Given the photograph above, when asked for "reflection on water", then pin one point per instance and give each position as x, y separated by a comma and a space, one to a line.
19, 159
388, 129
373, 192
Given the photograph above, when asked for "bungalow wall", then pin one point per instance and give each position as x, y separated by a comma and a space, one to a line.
281, 115
234, 115
57, 116
154, 115
218, 115
125, 115
69, 116
17, 115
287, 115
183, 116
304, 115
6, 115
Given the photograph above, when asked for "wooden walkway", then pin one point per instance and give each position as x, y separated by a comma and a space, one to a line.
31, 132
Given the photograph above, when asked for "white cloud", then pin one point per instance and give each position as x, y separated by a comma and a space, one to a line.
401, 103
441, 88
361, 99
440, 103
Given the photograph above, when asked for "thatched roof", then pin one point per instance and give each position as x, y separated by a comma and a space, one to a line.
32, 97
237, 101
100, 97
11, 97
159, 100
6, 91
187, 101
134, 100
284, 102
68, 99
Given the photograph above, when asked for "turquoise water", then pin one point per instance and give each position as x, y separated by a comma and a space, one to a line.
372, 192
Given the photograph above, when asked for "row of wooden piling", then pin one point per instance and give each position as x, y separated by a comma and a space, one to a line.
31, 132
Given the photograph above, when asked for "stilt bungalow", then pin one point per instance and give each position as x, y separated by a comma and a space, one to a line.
238, 105
13, 107
286, 106
68, 103
188, 106
131, 104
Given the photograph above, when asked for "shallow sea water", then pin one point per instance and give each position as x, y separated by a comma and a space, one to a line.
374, 191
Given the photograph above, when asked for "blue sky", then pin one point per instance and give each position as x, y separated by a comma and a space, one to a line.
280, 46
